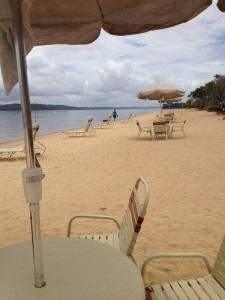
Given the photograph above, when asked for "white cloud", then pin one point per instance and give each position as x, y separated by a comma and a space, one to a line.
112, 70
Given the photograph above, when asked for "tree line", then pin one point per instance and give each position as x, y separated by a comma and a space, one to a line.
209, 96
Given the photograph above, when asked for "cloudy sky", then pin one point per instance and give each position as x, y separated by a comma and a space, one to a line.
112, 70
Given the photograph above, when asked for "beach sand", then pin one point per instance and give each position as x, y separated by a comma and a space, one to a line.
96, 174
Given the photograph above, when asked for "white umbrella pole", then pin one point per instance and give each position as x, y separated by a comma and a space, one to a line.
32, 176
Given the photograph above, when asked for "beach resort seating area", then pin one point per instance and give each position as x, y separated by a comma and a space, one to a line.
162, 128
104, 208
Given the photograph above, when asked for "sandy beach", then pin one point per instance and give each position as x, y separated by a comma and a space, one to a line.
96, 174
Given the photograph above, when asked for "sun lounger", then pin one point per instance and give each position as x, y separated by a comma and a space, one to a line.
38, 146
125, 237
109, 123
11, 152
89, 130
210, 287
130, 119
143, 130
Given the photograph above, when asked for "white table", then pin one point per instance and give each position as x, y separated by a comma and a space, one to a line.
74, 269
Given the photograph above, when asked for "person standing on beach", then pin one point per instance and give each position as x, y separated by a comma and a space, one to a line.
114, 114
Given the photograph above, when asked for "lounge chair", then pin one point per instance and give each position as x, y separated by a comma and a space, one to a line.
160, 129
109, 123
38, 146
128, 120
12, 152
89, 130
175, 128
210, 287
125, 237
143, 130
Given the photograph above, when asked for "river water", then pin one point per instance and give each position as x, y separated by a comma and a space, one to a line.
52, 121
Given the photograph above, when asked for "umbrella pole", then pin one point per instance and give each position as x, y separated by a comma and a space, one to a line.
32, 176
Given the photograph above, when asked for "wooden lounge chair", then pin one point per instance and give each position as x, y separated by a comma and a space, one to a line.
160, 129
125, 237
143, 130
38, 146
108, 124
210, 287
177, 128
89, 130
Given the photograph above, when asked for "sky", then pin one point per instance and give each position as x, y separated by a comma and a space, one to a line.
112, 70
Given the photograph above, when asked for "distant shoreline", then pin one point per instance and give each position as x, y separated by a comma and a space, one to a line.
17, 107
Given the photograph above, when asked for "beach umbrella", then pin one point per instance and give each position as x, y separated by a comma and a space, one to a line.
160, 92
169, 101
26, 23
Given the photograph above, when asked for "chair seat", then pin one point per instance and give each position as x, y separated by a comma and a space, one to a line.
193, 289
107, 239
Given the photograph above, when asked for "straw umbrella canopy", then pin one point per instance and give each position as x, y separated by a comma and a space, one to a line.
26, 23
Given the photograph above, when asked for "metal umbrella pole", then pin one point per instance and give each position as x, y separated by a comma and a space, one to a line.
32, 176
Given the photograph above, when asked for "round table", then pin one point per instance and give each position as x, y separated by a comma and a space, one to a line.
74, 269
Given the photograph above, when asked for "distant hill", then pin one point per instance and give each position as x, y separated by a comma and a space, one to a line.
16, 106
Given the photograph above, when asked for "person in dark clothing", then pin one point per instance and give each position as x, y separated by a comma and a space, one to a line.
114, 114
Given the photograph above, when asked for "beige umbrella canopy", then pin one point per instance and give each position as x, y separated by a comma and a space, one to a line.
161, 92
80, 22
169, 101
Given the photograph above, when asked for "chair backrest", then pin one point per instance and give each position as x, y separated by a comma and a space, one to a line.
159, 126
109, 120
35, 128
88, 124
218, 270
138, 125
130, 117
133, 218
169, 116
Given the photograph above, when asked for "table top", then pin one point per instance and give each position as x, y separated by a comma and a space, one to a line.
74, 269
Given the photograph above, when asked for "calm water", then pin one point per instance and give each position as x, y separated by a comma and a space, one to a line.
11, 127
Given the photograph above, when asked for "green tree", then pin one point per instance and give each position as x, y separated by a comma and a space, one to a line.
211, 94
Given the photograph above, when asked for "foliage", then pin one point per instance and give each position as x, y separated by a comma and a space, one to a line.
209, 95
